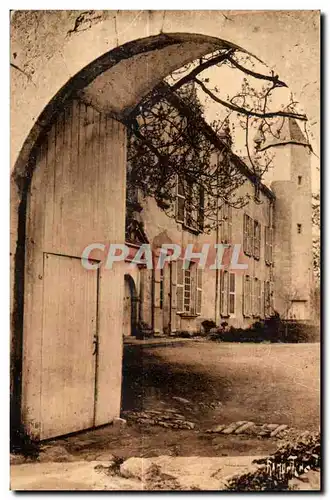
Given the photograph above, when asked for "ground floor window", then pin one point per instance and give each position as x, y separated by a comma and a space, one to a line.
189, 289
227, 293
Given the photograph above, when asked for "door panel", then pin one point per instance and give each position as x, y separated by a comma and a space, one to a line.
68, 363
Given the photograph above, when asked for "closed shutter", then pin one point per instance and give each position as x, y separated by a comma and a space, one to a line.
245, 233
157, 280
201, 209
256, 240
232, 293
158, 313
180, 201
224, 293
247, 296
267, 298
250, 235
256, 297
173, 274
270, 245
230, 223
266, 245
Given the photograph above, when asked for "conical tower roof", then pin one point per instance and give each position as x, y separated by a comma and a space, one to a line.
287, 132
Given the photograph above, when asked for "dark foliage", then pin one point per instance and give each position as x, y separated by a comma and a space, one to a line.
290, 460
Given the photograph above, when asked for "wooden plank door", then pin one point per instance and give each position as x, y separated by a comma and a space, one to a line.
68, 354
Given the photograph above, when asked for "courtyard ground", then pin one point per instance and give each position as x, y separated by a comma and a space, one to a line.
259, 382
208, 383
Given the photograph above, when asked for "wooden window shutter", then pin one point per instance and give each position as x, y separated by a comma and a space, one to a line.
247, 295
199, 283
201, 209
256, 239
266, 245
270, 245
180, 201
179, 286
173, 274
157, 280
224, 293
250, 235
232, 293
245, 233
230, 223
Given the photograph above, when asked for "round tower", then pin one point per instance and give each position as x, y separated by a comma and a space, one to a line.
293, 247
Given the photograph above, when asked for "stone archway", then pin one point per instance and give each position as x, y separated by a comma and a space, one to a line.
86, 56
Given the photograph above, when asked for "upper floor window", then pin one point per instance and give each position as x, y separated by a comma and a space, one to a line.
251, 237
299, 228
190, 205
299, 180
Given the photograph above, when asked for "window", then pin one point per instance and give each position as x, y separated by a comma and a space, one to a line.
299, 228
190, 205
225, 216
268, 245
227, 293
299, 180
268, 298
247, 296
257, 298
247, 235
189, 289
256, 239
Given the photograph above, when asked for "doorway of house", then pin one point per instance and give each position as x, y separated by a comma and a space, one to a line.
130, 307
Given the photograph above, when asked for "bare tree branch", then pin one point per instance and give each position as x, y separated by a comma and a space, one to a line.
259, 76
243, 111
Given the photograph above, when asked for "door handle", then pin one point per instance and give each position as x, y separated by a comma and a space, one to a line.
95, 344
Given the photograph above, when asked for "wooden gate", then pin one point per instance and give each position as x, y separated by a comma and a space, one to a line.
77, 197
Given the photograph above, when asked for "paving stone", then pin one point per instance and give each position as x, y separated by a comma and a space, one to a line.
119, 422
181, 400
233, 426
278, 430
244, 427
272, 427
